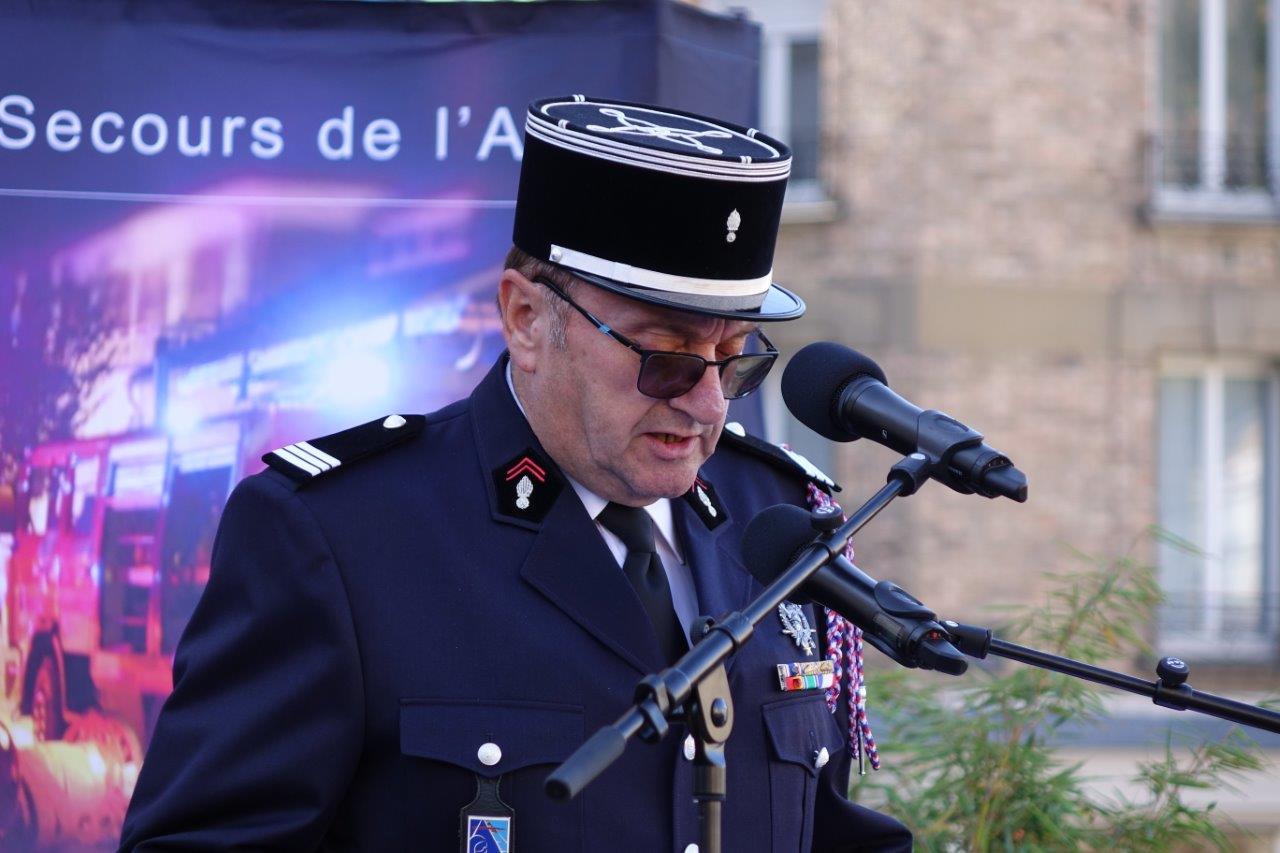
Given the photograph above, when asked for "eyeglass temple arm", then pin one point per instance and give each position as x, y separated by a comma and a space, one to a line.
591, 318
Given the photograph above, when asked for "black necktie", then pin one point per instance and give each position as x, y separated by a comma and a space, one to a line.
644, 569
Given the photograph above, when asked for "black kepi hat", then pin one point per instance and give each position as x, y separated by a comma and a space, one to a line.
655, 204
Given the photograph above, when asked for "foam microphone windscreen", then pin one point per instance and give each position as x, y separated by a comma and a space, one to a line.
812, 382
774, 538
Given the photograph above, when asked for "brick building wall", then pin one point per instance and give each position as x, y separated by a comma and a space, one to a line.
996, 251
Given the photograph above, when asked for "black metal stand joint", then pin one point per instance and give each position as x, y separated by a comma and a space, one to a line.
1171, 696
654, 704
912, 471
735, 626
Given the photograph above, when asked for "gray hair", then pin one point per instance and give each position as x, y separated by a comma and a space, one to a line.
533, 268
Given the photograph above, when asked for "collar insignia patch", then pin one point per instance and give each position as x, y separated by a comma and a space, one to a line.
702, 497
796, 626
526, 486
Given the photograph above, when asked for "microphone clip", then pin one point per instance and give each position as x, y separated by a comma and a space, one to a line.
912, 471
938, 439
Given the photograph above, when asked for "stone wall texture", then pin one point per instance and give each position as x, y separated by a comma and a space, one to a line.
996, 250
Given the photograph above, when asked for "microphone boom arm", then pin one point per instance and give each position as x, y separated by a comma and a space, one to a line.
1170, 690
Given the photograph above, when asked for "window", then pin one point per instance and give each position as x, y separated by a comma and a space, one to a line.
790, 87
803, 108
1217, 486
1219, 120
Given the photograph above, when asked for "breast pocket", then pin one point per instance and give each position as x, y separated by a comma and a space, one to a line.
448, 744
798, 731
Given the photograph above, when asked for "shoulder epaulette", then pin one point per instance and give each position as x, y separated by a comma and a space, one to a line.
737, 436
307, 461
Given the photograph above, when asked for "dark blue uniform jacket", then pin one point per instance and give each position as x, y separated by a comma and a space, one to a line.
363, 634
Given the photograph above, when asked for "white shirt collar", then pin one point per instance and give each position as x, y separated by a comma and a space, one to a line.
659, 510
511, 386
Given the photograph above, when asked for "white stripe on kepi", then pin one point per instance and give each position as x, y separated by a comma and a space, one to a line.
318, 453
289, 456
574, 139
641, 120
767, 155
620, 151
659, 164
660, 281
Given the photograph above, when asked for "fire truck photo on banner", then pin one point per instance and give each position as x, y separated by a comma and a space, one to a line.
225, 227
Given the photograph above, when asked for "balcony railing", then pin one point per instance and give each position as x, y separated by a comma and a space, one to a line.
1233, 176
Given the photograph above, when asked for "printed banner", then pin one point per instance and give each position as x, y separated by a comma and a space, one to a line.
226, 226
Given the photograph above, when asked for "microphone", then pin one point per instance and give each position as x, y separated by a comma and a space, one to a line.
891, 619
842, 395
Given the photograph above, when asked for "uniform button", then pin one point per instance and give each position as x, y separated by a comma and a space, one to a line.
692, 848
821, 757
690, 750
394, 422
489, 754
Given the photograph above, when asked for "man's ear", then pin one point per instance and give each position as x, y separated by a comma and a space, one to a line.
524, 321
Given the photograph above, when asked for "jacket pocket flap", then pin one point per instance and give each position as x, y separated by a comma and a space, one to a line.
524, 733
800, 729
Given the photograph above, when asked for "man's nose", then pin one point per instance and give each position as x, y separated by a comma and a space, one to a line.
704, 402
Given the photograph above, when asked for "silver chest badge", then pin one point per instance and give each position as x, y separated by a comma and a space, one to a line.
796, 625
732, 223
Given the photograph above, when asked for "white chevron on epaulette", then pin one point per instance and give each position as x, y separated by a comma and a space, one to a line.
310, 459
812, 471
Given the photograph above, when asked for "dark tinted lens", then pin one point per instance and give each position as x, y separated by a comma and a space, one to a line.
669, 374
743, 374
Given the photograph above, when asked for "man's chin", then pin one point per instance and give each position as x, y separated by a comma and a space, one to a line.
671, 484
651, 477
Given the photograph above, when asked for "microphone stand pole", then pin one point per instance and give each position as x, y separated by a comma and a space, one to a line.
696, 689
1169, 690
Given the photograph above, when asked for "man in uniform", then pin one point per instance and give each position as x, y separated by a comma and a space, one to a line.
410, 623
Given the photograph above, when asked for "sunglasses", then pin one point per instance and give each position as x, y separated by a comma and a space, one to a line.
665, 375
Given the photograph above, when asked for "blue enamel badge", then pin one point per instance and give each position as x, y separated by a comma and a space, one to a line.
488, 834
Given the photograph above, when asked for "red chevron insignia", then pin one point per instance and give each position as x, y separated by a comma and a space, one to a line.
527, 465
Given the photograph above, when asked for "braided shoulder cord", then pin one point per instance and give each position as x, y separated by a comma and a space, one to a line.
844, 648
